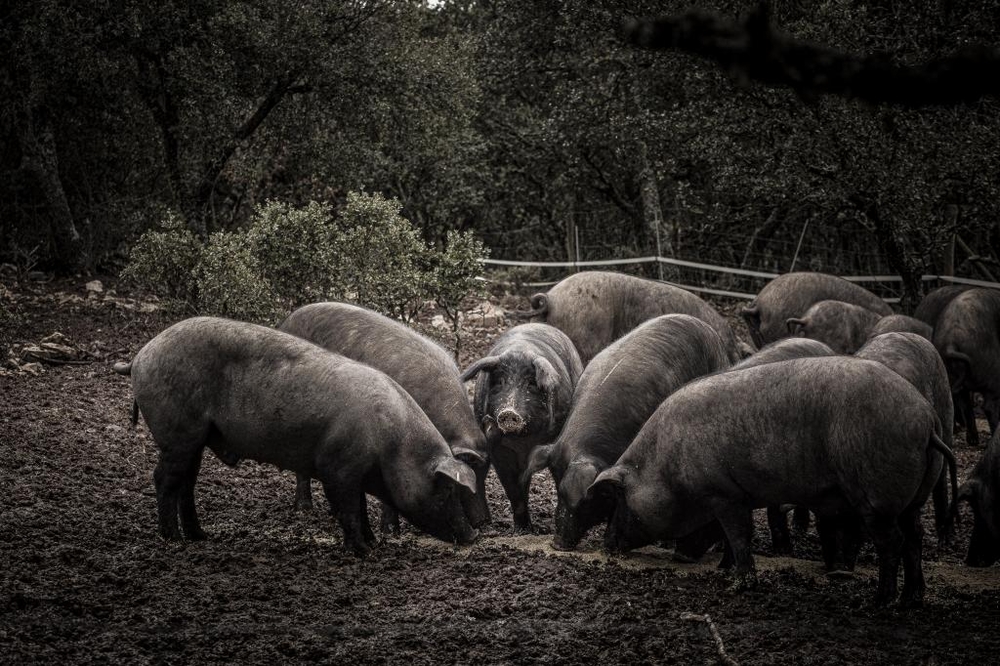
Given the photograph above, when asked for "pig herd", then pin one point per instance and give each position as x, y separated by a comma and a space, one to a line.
636, 396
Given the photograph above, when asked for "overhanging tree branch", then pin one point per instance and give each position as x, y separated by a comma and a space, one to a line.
754, 50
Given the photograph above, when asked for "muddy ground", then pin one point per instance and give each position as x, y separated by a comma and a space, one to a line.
84, 577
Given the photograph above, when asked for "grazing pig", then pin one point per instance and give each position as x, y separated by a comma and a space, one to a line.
257, 393
595, 308
617, 393
424, 370
841, 326
930, 308
914, 358
524, 388
785, 349
967, 335
982, 491
837, 435
791, 294
902, 324
934, 303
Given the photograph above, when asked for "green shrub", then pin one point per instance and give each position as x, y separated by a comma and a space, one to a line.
231, 282
456, 271
164, 262
383, 257
297, 251
288, 256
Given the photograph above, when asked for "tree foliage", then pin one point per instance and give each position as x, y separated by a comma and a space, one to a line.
533, 125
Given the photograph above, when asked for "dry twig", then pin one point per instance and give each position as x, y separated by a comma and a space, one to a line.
719, 645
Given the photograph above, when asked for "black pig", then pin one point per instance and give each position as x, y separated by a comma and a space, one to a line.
843, 327
837, 435
967, 335
617, 393
262, 394
524, 388
595, 308
982, 491
425, 370
791, 294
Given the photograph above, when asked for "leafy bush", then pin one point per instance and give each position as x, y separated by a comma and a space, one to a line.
454, 277
456, 271
231, 283
297, 251
369, 254
164, 262
383, 257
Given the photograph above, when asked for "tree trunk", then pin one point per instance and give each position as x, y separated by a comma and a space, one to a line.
652, 208
895, 253
40, 159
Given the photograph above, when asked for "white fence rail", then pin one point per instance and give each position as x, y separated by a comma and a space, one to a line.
716, 269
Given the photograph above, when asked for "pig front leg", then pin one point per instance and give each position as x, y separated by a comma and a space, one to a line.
345, 503
509, 466
303, 493
777, 523
389, 522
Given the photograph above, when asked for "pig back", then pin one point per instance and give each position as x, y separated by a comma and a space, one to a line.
271, 396
625, 383
967, 335
794, 430
422, 367
914, 358
594, 308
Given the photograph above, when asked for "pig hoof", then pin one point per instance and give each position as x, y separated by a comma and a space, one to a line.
196, 534
523, 530
911, 600
743, 582
360, 550
303, 505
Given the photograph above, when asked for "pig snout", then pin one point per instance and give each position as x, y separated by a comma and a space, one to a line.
510, 422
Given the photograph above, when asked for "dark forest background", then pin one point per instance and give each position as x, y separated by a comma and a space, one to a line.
532, 124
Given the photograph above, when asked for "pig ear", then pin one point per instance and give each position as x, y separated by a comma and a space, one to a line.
795, 325
456, 471
486, 363
537, 461
611, 480
468, 456
577, 481
547, 380
545, 375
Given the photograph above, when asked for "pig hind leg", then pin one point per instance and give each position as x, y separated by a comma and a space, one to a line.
889, 540
913, 573
189, 514
509, 466
174, 478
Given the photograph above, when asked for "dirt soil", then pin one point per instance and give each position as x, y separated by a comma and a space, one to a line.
85, 578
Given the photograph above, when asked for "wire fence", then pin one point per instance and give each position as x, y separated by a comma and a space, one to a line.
887, 286
735, 262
